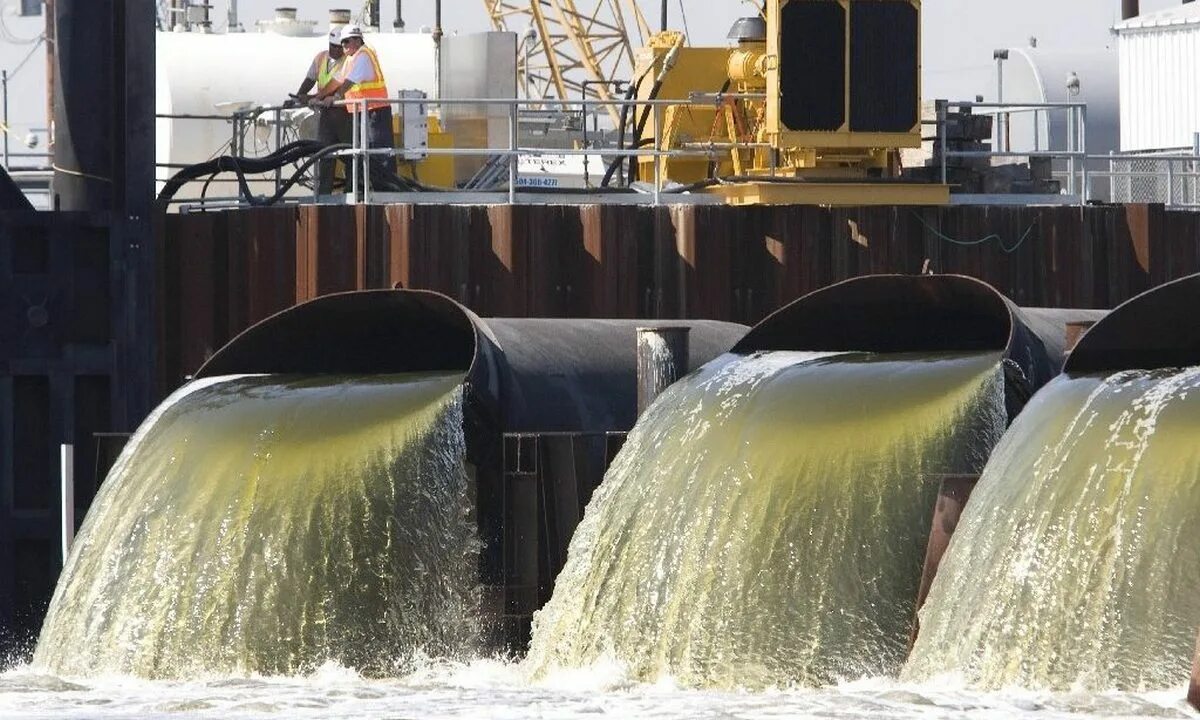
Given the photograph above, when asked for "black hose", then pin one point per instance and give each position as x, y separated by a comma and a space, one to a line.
638, 142
630, 94
241, 167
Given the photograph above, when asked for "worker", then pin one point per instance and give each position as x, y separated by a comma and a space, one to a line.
361, 82
333, 122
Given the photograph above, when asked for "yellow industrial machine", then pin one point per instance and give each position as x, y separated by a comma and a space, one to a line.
811, 103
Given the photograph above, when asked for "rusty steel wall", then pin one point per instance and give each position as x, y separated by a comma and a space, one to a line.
224, 271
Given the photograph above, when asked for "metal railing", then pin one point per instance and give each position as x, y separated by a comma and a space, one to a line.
361, 152
1172, 178
241, 123
1073, 157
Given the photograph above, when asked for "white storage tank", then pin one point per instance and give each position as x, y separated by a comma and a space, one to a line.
216, 74
1047, 42
1160, 79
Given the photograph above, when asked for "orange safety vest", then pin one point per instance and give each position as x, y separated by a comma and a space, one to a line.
372, 90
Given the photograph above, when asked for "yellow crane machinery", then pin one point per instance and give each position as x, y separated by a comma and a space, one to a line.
571, 48
810, 103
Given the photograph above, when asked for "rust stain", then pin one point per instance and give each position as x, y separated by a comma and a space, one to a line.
1137, 217
222, 271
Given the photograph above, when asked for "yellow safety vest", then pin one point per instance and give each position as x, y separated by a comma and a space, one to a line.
372, 90
327, 71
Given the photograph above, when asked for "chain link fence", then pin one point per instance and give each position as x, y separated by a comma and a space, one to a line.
1171, 181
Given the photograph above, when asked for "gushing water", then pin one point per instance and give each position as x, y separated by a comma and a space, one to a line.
265, 526
765, 524
1075, 564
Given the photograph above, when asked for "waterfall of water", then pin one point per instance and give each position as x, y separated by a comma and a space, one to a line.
765, 524
266, 525
1075, 562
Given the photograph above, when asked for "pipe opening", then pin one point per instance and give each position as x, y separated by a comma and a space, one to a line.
373, 332
1150, 332
889, 313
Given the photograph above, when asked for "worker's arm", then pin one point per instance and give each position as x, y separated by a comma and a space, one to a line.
305, 87
334, 90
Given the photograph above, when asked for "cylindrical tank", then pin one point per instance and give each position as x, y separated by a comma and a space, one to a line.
217, 74
1047, 42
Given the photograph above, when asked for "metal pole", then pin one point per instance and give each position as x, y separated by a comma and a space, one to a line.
530, 36
942, 118
398, 23
232, 17
657, 157
366, 156
587, 180
1083, 167
1170, 182
355, 144
512, 154
66, 456
4, 81
437, 47
1001, 119
662, 358
1072, 148
278, 144
665, 16
1196, 168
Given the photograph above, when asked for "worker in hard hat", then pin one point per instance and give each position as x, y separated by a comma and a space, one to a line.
333, 122
362, 85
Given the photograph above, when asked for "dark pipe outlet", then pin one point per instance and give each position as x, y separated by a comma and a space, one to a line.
925, 313
542, 398
1130, 9
526, 375
1153, 330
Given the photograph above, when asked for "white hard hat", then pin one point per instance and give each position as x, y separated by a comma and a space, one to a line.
352, 31
335, 34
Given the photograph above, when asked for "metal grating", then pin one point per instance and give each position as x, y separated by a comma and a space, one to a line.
884, 66
812, 66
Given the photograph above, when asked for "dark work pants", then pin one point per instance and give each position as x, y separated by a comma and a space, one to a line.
380, 135
333, 128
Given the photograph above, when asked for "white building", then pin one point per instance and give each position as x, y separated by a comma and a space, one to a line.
1160, 79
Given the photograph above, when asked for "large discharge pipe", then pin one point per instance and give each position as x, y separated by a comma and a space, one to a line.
529, 383
938, 313
1150, 332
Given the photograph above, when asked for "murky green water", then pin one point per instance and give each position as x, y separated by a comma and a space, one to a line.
267, 526
765, 525
1077, 561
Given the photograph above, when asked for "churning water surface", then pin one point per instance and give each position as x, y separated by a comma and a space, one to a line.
495, 689
87, 671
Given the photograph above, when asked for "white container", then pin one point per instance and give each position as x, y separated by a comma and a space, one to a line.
1047, 40
1160, 79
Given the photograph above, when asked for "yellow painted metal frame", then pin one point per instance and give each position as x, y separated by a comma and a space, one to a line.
843, 138
838, 194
